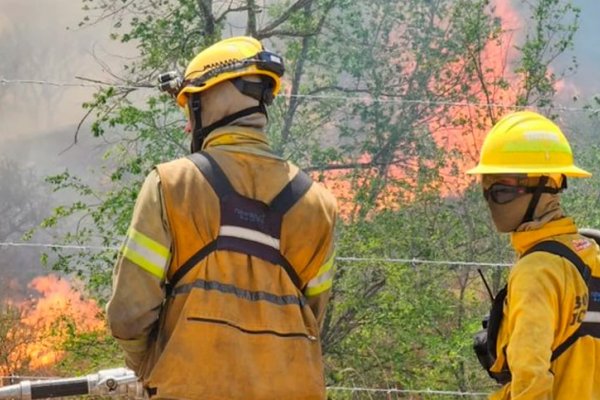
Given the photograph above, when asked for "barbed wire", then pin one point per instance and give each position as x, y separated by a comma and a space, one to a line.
454, 263
411, 261
4, 81
384, 99
57, 246
407, 391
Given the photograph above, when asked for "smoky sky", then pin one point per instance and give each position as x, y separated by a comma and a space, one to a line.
40, 41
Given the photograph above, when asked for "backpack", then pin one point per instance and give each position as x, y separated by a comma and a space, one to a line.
484, 341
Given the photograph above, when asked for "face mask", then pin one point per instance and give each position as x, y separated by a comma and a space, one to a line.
508, 216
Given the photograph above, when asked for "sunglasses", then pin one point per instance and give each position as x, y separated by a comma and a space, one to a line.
502, 194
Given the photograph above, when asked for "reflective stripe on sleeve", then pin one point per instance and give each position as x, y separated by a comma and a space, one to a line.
324, 279
147, 253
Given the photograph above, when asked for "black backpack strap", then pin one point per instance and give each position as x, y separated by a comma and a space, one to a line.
495, 318
291, 193
288, 196
566, 344
189, 264
213, 173
260, 251
562, 250
493, 328
218, 181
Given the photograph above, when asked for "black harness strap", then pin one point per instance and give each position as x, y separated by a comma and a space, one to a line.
213, 173
246, 213
562, 250
295, 189
261, 251
496, 313
189, 264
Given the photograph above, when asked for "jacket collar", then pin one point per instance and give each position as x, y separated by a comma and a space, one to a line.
524, 240
240, 139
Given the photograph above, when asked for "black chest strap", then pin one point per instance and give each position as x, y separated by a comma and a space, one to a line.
247, 225
588, 318
562, 250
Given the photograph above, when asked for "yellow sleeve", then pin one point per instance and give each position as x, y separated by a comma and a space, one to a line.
532, 321
318, 289
138, 276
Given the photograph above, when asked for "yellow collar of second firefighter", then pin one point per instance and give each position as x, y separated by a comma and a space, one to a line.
240, 139
522, 241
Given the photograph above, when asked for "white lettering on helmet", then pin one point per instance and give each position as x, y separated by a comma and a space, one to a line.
541, 135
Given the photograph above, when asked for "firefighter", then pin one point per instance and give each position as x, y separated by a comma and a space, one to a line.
220, 288
543, 330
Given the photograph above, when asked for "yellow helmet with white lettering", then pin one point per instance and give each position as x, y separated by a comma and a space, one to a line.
526, 142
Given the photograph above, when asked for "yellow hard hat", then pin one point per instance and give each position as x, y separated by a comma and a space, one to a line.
528, 143
228, 59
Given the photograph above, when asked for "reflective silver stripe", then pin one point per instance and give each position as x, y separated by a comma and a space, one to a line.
321, 278
592, 316
249, 234
148, 254
249, 295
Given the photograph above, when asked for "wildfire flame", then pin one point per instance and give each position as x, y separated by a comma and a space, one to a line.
46, 323
459, 132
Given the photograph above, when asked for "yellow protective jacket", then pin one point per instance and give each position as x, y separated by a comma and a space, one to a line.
546, 300
235, 326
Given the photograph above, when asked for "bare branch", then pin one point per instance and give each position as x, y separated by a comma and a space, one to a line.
251, 24
205, 7
266, 31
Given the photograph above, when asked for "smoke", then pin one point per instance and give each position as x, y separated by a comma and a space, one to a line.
40, 40
580, 83
586, 49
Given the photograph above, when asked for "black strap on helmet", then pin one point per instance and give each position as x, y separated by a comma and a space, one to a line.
261, 91
200, 133
535, 199
232, 117
541, 188
195, 108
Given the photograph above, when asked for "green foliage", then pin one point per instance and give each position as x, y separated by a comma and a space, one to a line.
554, 26
102, 213
89, 352
415, 330
373, 92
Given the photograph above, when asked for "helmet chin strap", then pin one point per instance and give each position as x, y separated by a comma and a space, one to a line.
195, 116
535, 199
259, 91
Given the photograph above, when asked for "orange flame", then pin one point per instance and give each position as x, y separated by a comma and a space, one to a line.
47, 321
459, 131
463, 131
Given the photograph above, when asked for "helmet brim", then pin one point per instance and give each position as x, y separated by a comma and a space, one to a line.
571, 171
